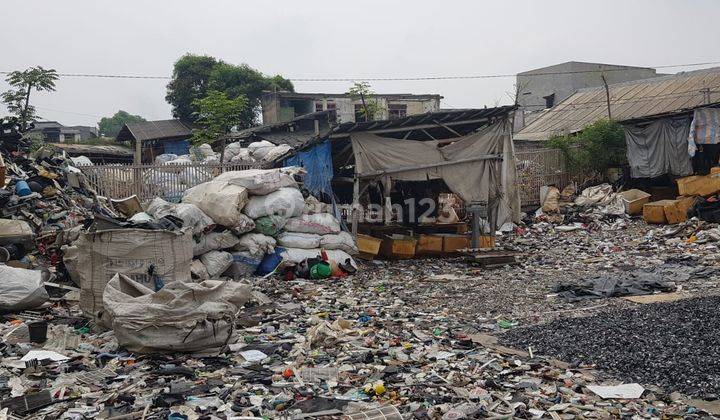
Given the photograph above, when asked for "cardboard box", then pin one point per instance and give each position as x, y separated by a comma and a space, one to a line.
453, 243
685, 203
429, 244
398, 247
368, 246
665, 212
487, 241
702, 185
634, 200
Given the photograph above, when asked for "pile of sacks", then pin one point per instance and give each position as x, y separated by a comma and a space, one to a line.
249, 222
259, 151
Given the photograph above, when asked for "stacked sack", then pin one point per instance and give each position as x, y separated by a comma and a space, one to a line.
259, 151
259, 218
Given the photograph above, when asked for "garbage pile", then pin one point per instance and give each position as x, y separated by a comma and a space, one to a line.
249, 222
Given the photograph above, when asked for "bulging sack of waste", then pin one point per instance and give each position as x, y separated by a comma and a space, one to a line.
216, 262
244, 264
213, 241
299, 240
320, 223
97, 256
343, 241
256, 244
286, 201
182, 316
259, 181
164, 158
259, 149
191, 215
220, 200
21, 289
270, 225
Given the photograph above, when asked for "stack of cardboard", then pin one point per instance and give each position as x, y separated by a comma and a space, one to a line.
689, 187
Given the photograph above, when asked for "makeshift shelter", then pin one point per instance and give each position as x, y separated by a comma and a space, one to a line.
466, 152
152, 138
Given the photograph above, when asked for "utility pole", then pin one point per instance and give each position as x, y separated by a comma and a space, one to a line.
607, 95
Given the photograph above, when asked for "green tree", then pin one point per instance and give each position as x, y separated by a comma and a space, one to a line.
111, 126
371, 107
598, 147
216, 115
23, 82
194, 76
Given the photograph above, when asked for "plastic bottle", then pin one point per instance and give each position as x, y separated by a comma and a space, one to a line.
22, 188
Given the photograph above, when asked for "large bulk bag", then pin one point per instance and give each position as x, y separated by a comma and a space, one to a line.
286, 201
298, 240
181, 317
259, 181
320, 223
220, 200
213, 241
97, 256
343, 241
21, 289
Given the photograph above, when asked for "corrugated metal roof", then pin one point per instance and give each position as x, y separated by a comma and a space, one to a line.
154, 130
628, 101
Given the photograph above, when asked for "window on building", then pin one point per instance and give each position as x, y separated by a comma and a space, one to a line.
396, 111
549, 100
359, 113
330, 105
318, 106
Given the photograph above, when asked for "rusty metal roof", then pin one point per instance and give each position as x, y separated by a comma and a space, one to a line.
638, 99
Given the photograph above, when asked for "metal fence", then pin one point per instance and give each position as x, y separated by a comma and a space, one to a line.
150, 181
536, 168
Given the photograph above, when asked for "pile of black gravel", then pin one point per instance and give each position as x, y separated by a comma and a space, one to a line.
673, 345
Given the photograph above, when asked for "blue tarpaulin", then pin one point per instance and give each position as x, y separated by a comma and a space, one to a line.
317, 161
178, 147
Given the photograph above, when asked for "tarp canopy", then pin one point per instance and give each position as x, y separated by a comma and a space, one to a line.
659, 148
479, 167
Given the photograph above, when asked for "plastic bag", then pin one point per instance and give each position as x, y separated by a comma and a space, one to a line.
256, 243
216, 262
299, 240
231, 150
213, 241
21, 289
244, 264
321, 223
220, 200
191, 215
276, 152
245, 225
259, 181
287, 202
342, 240
270, 225
164, 158
198, 270
81, 161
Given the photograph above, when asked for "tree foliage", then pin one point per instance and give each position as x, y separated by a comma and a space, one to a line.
111, 126
596, 148
217, 114
371, 108
17, 99
194, 76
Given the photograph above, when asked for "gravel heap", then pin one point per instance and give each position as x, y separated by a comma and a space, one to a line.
673, 345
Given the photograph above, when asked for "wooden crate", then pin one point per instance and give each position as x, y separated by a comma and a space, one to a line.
429, 244
634, 200
398, 247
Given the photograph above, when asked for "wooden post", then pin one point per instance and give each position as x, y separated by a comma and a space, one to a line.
138, 152
387, 210
607, 95
355, 205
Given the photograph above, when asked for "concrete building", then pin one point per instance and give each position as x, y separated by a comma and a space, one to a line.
278, 107
546, 87
54, 132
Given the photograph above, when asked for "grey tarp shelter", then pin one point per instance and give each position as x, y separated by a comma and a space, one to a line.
478, 167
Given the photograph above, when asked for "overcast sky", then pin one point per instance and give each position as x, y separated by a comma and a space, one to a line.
338, 39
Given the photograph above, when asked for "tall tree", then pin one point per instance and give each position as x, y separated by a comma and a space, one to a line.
191, 75
216, 115
23, 82
111, 126
194, 76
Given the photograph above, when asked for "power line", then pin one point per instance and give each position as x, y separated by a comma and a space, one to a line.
389, 79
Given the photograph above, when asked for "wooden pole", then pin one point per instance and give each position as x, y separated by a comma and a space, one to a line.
387, 210
355, 205
138, 152
607, 95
